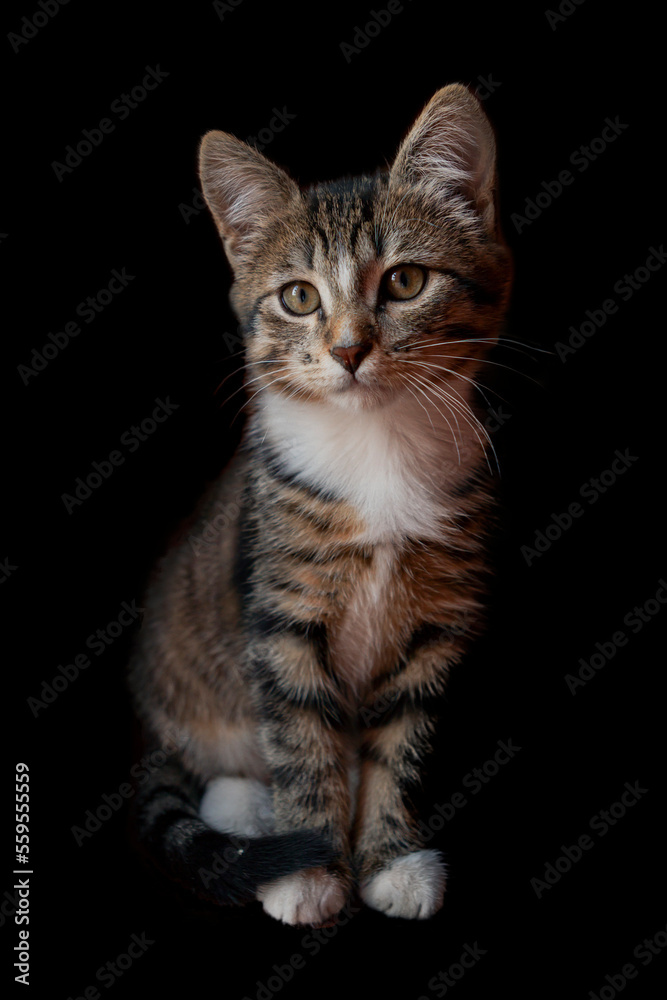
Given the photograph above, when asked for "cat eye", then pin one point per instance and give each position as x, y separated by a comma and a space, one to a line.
404, 282
300, 297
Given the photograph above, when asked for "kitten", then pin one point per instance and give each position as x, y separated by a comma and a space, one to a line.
298, 641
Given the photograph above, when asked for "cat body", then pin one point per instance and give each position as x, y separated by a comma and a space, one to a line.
300, 650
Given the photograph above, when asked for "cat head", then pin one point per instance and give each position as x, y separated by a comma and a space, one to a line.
354, 292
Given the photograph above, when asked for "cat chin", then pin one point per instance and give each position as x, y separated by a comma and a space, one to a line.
357, 397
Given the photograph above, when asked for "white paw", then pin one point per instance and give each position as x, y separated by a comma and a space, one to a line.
310, 897
412, 886
238, 805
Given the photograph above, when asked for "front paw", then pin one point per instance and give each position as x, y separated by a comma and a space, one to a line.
412, 886
312, 896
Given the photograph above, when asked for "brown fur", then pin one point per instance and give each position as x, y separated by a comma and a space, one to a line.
252, 632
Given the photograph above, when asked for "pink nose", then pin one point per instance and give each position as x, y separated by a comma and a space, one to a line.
351, 357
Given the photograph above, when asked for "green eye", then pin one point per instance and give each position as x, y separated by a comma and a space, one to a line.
300, 297
404, 281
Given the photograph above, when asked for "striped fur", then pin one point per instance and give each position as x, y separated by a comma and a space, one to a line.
303, 646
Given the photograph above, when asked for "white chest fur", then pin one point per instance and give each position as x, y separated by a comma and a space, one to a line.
393, 464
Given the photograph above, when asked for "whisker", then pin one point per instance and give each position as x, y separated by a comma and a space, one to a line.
299, 390
241, 388
438, 389
496, 341
404, 379
419, 389
246, 384
422, 345
277, 361
250, 399
483, 361
227, 357
441, 368
424, 381
453, 405
462, 408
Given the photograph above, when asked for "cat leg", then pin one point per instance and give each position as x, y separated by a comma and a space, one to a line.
303, 735
411, 886
396, 874
313, 896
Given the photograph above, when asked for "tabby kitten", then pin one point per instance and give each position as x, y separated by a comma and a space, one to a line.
298, 640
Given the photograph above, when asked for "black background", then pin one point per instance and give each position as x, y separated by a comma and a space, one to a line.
123, 206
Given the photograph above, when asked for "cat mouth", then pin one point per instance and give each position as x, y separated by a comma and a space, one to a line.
362, 391
352, 383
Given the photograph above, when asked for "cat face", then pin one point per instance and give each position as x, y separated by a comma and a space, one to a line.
355, 292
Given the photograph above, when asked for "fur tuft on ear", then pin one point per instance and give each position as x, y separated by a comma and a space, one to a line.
242, 189
452, 148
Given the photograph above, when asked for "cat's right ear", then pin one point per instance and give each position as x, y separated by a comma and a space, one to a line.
243, 191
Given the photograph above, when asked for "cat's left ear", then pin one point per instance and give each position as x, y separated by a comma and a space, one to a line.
242, 189
451, 147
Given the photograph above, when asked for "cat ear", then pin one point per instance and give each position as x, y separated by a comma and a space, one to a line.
242, 189
452, 147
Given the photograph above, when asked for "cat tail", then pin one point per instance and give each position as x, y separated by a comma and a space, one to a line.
223, 868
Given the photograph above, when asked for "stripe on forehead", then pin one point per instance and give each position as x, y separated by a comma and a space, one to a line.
338, 268
346, 267
342, 254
